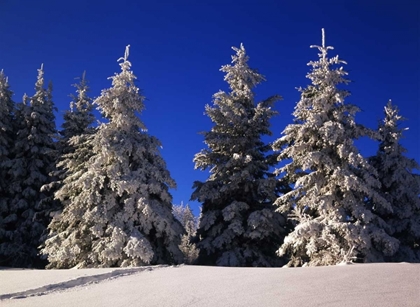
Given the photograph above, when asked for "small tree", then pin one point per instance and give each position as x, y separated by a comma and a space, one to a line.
400, 186
186, 217
332, 181
238, 226
119, 210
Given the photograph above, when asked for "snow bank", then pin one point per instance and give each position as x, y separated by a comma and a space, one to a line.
350, 285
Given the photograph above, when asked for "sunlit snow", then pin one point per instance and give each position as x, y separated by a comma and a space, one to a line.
385, 285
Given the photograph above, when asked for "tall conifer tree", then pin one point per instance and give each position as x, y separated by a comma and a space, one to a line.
118, 210
332, 181
238, 226
73, 150
32, 161
400, 186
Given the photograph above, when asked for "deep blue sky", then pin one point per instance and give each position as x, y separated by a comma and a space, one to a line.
177, 48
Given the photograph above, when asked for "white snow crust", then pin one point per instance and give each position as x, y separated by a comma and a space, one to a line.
380, 284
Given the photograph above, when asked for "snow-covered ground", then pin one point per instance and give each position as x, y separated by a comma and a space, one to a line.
349, 285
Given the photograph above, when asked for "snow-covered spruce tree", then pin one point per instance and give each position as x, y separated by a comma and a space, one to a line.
76, 149
186, 217
400, 186
76, 128
32, 161
238, 226
6, 137
118, 212
331, 180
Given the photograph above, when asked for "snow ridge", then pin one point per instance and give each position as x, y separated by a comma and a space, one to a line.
78, 282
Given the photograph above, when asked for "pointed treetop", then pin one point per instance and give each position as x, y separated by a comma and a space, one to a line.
41, 71
81, 90
125, 65
240, 76
82, 79
40, 80
240, 54
122, 111
322, 48
127, 52
392, 116
3, 76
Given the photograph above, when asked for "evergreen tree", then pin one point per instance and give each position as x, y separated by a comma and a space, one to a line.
6, 137
332, 181
118, 211
32, 161
76, 149
238, 226
76, 129
186, 217
400, 186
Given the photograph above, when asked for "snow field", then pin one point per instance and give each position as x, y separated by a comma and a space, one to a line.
385, 285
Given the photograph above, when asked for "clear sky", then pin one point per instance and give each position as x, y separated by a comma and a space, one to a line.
178, 47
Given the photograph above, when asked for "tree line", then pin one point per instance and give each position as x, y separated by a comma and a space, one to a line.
98, 196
